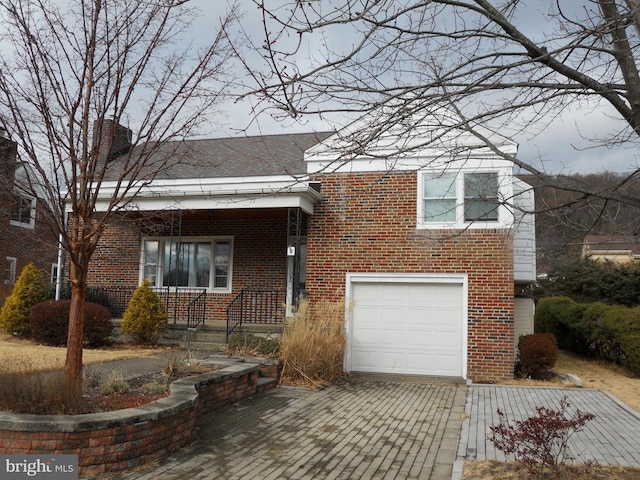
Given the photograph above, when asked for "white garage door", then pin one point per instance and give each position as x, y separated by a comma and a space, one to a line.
407, 326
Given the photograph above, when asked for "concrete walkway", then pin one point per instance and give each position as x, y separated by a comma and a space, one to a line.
611, 438
366, 427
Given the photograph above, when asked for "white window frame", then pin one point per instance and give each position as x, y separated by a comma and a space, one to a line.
505, 216
53, 277
11, 264
32, 211
160, 263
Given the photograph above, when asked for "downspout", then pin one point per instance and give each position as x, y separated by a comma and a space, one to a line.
59, 272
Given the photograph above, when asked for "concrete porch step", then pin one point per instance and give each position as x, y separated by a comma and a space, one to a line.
210, 341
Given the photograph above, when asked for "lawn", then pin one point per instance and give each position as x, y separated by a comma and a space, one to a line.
12, 348
595, 374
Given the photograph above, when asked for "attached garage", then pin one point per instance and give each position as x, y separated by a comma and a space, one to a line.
407, 324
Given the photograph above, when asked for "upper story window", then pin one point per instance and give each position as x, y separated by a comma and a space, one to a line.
459, 200
440, 199
197, 263
23, 213
481, 197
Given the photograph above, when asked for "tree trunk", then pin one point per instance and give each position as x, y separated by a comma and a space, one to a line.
73, 363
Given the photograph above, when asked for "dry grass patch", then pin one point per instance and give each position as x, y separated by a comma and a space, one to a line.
493, 470
312, 346
602, 376
31, 375
48, 358
594, 374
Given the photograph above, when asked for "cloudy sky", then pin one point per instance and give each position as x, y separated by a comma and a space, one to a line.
559, 148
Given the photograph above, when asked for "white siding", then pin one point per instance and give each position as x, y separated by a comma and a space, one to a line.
524, 309
524, 235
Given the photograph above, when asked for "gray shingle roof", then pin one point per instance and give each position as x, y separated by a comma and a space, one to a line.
226, 157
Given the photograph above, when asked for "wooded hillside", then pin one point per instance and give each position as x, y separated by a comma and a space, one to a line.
563, 218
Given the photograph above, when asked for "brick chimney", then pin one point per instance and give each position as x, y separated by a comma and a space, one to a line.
112, 139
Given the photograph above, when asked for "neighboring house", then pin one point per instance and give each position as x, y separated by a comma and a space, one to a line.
611, 248
24, 235
428, 248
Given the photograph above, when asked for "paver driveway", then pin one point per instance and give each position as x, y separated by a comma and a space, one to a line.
611, 438
362, 428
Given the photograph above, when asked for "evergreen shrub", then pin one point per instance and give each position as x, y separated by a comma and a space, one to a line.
29, 289
563, 318
588, 281
607, 332
49, 322
623, 324
145, 318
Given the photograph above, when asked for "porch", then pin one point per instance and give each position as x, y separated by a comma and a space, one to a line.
251, 310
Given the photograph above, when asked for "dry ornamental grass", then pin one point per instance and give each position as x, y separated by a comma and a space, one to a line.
312, 348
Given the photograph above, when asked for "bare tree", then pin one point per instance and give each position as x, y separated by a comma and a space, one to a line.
487, 63
71, 73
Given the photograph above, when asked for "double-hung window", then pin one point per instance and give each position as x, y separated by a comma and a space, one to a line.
23, 212
440, 199
195, 263
459, 199
481, 197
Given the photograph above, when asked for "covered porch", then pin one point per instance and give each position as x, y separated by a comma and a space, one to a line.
231, 251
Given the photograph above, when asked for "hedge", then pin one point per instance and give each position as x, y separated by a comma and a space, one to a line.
607, 332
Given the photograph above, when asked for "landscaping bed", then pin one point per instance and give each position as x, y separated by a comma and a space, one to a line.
122, 439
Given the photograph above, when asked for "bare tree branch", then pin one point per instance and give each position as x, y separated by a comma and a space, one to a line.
70, 78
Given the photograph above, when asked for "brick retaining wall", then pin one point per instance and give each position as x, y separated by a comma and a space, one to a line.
123, 439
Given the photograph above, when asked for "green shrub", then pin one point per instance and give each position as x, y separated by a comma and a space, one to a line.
29, 289
145, 318
623, 324
588, 281
562, 317
538, 354
49, 322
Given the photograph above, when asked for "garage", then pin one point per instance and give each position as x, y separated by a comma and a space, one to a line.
407, 324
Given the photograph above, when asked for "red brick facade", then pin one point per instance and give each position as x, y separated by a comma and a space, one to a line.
259, 250
367, 223
35, 244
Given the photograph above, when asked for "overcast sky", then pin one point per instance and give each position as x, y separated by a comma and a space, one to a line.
559, 148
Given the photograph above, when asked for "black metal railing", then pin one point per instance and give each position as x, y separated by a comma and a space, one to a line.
114, 298
255, 306
196, 310
177, 300
181, 304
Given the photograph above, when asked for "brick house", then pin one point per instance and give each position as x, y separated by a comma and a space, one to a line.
428, 249
24, 234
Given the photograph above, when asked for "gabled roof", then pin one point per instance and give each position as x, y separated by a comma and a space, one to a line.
254, 156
